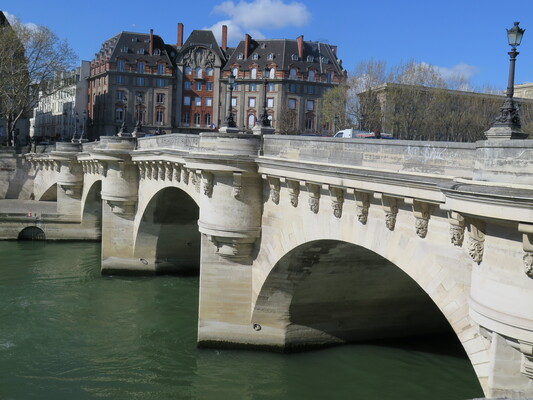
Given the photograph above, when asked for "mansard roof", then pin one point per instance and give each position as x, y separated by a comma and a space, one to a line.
3, 19
133, 42
206, 39
317, 55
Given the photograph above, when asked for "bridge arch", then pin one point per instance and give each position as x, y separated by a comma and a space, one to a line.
167, 235
31, 233
316, 276
50, 194
91, 204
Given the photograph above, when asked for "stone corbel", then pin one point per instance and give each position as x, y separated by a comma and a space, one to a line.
155, 171
421, 214
57, 166
102, 168
176, 171
362, 201
237, 185
168, 168
148, 166
185, 175
526, 366
162, 172
390, 206
142, 169
314, 196
457, 228
207, 178
235, 249
122, 208
337, 200
476, 245
275, 187
527, 243
294, 191
196, 180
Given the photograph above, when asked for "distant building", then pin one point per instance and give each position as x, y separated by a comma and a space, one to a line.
297, 72
62, 114
131, 78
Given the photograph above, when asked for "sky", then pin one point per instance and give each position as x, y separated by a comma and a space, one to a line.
466, 37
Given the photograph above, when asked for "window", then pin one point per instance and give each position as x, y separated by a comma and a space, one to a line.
140, 51
271, 87
160, 117
234, 102
270, 102
311, 76
207, 119
310, 59
119, 114
251, 102
292, 88
161, 82
120, 65
187, 100
329, 77
251, 120
198, 101
124, 49
157, 52
197, 119
120, 80
139, 81
139, 95
209, 101
292, 74
309, 123
185, 118
292, 104
160, 98
270, 56
160, 69
209, 86
253, 73
235, 72
272, 73
310, 105
198, 86
252, 87
198, 72
240, 56
187, 85
325, 60
209, 71
255, 56
294, 57
188, 70
310, 89
140, 67
120, 95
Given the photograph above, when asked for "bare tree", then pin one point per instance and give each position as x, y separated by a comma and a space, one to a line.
288, 122
31, 57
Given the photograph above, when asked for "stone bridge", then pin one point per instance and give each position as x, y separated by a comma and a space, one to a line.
303, 242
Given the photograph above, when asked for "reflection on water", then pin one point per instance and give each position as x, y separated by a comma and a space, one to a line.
69, 333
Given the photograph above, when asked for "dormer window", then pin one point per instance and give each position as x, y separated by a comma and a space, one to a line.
124, 49
255, 56
294, 57
157, 52
134, 39
240, 56
140, 51
263, 45
188, 70
325, 60
235, 72
310, 59
271, 56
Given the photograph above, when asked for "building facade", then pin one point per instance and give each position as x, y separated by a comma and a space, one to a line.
62, 115
131, 80
285, 77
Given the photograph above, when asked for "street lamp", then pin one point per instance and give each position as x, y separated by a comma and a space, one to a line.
507, 125
230, 122
123, 129
265, 121
138, 128
83, 126
76, 122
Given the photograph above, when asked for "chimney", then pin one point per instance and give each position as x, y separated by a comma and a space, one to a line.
180, 35
224, 37
151, 42
300, 41
247, 39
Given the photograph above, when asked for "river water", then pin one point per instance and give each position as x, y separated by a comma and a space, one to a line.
66, 332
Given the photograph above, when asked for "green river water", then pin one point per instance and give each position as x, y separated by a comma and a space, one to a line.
66, 332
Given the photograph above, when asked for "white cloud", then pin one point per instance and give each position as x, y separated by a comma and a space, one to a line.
249, 17
12, 19
460, 70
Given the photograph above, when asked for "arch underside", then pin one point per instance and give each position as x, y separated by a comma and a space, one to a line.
167, 238
49, 194
92, 206
325, 292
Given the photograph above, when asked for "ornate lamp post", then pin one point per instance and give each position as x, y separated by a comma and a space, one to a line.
123, 129
82, 138
507, 125
138, 127
230, 122
76, 122
265, 121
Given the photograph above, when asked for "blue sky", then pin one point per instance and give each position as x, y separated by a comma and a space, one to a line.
467, 35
